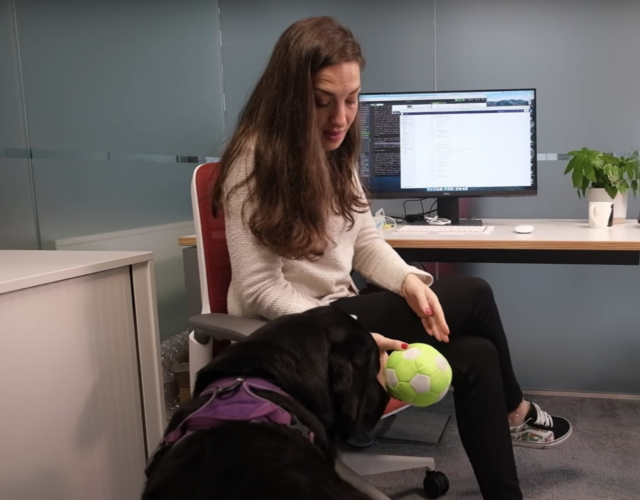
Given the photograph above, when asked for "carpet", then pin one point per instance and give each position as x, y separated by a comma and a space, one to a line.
600, 461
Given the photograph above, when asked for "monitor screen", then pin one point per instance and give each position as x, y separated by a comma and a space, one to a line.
454, 144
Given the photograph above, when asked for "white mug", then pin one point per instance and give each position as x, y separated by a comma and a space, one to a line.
600, 214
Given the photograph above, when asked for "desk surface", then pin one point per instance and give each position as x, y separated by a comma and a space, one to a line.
549, 234
26, 268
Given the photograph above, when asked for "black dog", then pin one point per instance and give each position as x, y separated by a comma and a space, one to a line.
327, 365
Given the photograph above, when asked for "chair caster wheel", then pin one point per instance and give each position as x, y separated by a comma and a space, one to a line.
435, 484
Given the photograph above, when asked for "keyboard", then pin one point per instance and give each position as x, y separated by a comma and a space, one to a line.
441, 229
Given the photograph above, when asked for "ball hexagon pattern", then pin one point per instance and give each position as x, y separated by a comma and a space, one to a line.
419, 375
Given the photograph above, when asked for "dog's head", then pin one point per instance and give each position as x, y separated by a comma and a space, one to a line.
359, 399
323, 358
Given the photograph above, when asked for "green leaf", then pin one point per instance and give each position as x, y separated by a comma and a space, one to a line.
612, 173
583, 188
597, 161
570, 166
589, 172
577, 174
611, 191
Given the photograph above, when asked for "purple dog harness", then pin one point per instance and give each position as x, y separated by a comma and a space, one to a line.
234, 399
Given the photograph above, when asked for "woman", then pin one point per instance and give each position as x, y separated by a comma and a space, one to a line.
298, 223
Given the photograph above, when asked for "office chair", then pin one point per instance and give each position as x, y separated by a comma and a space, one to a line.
214, 329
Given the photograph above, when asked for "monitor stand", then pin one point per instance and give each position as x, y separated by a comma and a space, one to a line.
449, 208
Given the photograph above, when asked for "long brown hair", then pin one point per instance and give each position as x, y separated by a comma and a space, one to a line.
295, 184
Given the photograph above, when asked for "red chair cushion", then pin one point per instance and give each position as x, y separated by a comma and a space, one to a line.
217, 264
214, 242
394, 406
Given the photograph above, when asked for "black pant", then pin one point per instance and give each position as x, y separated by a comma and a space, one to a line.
485, 384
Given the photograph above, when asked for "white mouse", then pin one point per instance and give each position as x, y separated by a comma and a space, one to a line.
524, 229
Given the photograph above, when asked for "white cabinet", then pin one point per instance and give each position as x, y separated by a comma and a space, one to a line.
81, 401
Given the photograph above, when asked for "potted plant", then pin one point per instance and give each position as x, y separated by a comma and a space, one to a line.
605, 177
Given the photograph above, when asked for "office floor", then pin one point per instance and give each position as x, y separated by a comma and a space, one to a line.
600, 461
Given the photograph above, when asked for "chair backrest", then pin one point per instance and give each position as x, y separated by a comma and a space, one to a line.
211, 242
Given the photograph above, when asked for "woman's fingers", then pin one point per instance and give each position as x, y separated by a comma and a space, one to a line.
433, 329
439, 316
438, 313
413, 291
424, 309
426, 305
384, 357
387, 344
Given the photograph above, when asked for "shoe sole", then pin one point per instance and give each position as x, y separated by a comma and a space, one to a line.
544, 446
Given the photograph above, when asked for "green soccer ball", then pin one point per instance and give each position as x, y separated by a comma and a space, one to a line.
419, 375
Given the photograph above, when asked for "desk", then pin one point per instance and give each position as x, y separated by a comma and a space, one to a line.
80, 372
554, 241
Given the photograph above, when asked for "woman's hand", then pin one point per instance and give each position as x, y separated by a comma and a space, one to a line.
426, 305
386, 344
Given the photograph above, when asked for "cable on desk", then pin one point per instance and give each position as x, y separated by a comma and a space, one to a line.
419, 216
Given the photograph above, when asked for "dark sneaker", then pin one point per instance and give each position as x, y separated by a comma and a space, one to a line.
540, 430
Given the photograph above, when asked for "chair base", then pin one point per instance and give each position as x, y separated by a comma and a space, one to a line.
366, 440
352, 466
358, 482
388, 422
365, 464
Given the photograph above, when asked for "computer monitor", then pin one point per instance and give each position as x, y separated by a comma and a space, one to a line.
449, 145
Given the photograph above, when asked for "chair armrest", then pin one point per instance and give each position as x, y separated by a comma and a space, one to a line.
224, 326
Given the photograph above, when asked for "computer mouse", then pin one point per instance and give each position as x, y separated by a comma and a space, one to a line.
524, 229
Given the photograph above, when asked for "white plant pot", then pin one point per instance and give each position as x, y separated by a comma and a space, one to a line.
619, 203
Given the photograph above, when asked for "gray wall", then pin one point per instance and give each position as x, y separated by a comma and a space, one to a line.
571, 328
18, 228
397, 41
113, 93
108, 77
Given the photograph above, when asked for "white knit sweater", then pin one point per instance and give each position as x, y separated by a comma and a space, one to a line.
265, 285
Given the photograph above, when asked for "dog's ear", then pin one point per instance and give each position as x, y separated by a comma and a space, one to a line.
359, 399
348, 390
